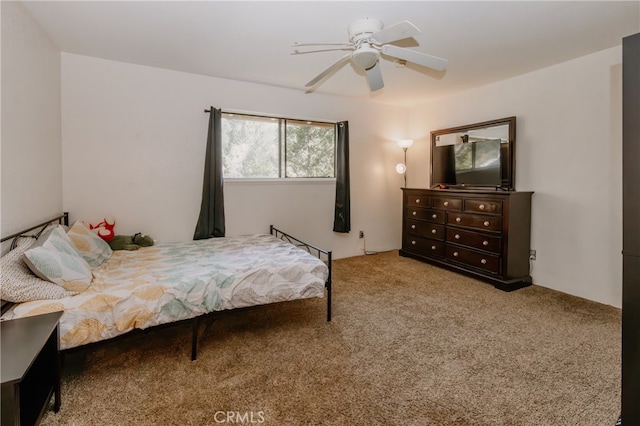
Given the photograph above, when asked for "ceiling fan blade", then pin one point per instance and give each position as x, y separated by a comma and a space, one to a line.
399, 31
338, 43
328, 49
332, 69
374, 77
418, 58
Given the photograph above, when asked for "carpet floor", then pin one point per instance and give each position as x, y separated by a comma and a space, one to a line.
409, 344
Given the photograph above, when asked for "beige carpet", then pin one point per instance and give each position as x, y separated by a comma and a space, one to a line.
409, 344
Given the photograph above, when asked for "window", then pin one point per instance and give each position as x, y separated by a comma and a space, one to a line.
256, 147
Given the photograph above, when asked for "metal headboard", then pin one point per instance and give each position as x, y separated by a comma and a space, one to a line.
62, 219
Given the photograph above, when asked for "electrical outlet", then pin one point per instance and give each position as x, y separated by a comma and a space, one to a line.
361, 235
532, 254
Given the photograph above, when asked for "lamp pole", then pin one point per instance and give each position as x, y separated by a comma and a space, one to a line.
405, 166
404, 144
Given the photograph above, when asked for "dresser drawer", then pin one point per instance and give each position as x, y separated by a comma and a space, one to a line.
452, 204
474, 240
472, 258
418, 200
424, 245
425, 229
488, 223
483, 206
425, 214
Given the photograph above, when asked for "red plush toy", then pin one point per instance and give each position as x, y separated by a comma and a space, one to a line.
104, 229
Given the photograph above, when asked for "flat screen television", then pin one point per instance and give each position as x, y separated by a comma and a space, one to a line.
475, 156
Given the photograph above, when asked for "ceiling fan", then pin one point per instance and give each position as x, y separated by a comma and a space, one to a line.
368, 39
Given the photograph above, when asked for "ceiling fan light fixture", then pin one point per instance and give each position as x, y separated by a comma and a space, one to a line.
365, 57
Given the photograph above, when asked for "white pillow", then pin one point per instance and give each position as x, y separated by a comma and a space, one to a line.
93, 249
56, 260
18, 282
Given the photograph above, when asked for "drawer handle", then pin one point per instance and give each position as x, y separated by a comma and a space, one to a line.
486, 223
413, 227
414, 213
458, 219
433, 247
485, 243
481, 207
446, 203
413, 242
483, 261
435, 216
417, 200
455, 254
457, 236
433, 231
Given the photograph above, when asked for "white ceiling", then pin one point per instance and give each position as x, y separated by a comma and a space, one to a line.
250, 41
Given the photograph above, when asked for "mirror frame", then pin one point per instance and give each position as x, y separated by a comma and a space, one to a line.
509, 185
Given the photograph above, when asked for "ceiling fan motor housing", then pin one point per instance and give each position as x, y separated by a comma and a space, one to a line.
363, 28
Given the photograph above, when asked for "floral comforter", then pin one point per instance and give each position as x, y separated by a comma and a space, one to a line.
170, 282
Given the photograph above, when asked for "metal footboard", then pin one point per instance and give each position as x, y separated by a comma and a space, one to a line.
324, 255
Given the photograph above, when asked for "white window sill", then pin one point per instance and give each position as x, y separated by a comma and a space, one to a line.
279, 181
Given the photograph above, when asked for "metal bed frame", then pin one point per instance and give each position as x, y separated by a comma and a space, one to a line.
324, 255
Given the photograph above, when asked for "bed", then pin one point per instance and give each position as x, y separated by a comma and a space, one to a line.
172, 282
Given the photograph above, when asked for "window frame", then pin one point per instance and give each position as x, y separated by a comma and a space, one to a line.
282, 149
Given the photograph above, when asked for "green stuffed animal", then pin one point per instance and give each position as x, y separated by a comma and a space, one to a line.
130, 242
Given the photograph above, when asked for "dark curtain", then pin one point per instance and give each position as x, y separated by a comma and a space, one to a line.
342, 216
211, 219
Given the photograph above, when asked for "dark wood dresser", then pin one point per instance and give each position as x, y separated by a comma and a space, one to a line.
482, 233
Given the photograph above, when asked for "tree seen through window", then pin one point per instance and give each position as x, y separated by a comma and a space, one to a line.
266, 147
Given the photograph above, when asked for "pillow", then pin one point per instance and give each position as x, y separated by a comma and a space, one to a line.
18, 283
54, 259
93, 249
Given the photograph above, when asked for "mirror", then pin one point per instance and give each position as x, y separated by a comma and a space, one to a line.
480, 155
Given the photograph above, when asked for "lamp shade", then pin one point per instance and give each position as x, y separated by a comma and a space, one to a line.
405, 143
401, 168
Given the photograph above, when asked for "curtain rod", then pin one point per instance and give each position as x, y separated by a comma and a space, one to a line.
248, 114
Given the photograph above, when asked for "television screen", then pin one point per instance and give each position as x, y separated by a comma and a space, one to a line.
478, 163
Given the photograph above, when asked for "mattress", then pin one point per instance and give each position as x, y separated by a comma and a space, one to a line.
175, 281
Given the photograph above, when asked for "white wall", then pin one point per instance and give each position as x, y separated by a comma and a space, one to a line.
133, 147
31, 137
569, 151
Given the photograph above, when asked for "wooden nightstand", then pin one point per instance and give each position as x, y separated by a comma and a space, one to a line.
30, 368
